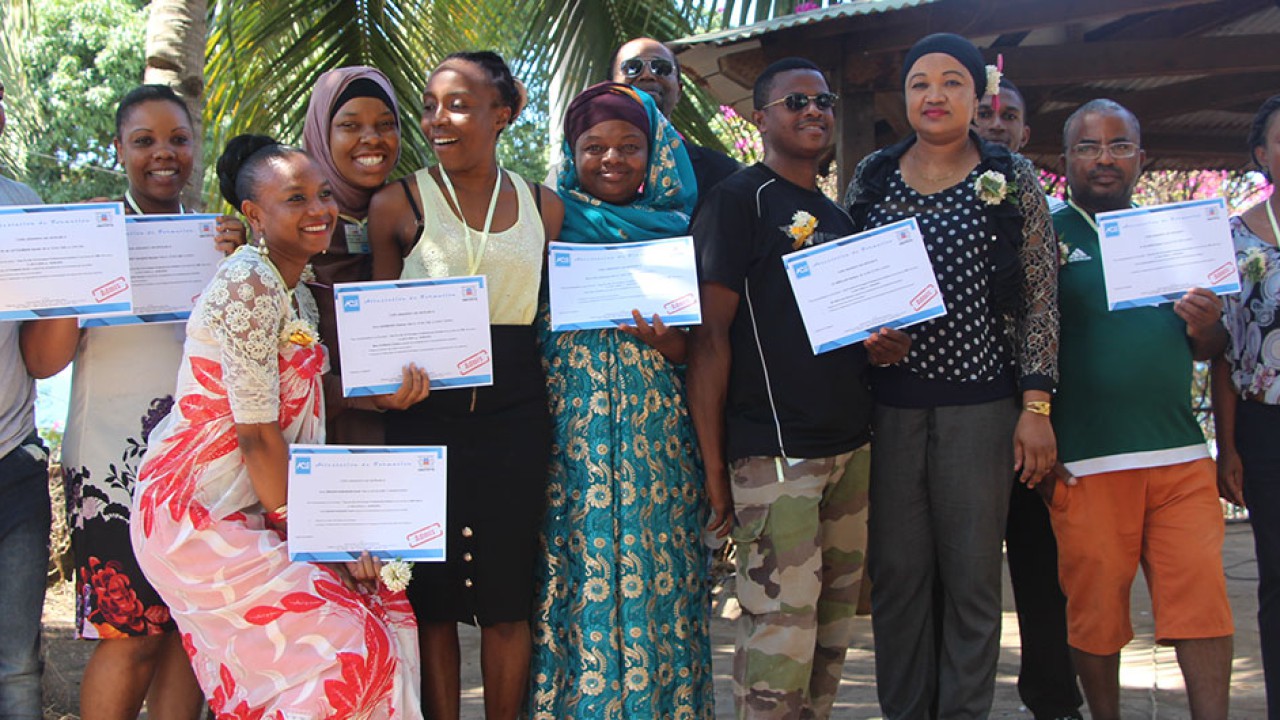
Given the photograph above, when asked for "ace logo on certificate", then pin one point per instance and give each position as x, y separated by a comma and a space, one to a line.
847, 289
387, 501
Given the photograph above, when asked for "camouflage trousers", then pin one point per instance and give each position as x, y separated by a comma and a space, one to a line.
801, 535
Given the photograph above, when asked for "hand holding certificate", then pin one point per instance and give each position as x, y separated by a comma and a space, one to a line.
440, 325
597, 286
345, 500
171, 260
1152, 255
847, 289
60, 260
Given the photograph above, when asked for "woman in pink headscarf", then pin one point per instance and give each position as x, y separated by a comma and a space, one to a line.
352, 131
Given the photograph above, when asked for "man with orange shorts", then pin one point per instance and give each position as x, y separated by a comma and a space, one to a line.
1138, 486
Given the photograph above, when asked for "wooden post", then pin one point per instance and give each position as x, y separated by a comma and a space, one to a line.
855, 133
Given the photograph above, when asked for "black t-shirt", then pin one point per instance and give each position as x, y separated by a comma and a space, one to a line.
782, 399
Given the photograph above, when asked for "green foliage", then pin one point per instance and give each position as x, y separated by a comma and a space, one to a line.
76, 59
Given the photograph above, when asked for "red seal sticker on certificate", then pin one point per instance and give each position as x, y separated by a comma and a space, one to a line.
924, 296
1224, 273
110, 289
680, 303
471, 363
425, 535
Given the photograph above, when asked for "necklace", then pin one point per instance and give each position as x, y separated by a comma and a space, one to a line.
1275, 227
133, 205
474, 255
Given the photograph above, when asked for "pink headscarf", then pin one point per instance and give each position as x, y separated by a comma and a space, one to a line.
315, 131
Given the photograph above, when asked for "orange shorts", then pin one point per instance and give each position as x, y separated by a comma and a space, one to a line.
1169, 519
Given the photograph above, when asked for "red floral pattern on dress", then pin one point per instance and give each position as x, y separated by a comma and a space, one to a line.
117, 611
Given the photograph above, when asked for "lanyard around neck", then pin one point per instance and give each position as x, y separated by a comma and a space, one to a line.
474, 255
1271, 215
1084, 214
133, 205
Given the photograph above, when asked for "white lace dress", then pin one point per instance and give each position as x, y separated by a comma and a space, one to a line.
267, 637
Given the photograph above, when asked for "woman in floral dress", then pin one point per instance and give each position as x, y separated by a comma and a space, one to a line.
121, 387
266, 636
621, 625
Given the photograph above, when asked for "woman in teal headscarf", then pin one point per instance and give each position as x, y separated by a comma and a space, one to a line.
621, 624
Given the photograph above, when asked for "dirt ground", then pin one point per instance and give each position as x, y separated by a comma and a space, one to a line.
1152, 685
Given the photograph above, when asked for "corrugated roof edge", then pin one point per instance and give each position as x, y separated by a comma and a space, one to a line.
811, 17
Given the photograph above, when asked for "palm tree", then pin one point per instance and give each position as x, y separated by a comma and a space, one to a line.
175, 57
262, 59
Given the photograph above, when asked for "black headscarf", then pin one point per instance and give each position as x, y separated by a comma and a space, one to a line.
957, 47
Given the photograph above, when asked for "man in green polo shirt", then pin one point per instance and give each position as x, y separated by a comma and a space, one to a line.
1138, 484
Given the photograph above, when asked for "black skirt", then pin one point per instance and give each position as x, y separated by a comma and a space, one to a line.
499, 445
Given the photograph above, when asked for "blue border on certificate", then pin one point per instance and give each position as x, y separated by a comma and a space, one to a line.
791, 260
682, 320
350, 556
1154, 300
74, 310
1115, 214
355, 289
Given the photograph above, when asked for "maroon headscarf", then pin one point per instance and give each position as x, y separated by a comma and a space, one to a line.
601, 102
315, 131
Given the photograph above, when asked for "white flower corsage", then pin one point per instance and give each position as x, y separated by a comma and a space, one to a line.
992, 187
396, 574
1064, 252
1254, 264
308, 274
801, 229
300, 333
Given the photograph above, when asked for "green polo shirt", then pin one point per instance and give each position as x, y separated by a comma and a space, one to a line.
1124, 395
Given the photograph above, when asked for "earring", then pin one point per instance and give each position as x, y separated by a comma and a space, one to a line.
262, 245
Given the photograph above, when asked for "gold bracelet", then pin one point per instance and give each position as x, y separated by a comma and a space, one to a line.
1039, 407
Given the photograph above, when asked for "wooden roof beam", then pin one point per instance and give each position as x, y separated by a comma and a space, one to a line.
1211, 93
1181, 22
1090, 62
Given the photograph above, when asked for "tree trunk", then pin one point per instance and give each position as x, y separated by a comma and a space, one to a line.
175, 57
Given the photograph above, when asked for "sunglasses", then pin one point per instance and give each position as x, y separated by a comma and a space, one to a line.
635, 66
798, 101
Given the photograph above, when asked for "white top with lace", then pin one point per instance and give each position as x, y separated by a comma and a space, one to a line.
244, 312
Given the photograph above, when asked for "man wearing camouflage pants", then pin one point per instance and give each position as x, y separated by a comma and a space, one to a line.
783, 431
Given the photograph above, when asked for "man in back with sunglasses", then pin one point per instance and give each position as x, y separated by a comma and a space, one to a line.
649, 65
784, 433
1138, 486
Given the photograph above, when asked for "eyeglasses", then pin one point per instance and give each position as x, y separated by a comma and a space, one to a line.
798, 101
633, 67
1093, 151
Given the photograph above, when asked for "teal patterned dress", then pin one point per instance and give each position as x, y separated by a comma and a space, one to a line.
621, 621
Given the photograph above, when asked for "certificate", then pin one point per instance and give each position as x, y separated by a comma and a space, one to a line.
849, 288
441, 325
345, 500
59, 260
597, 286
1152, 255
171, 260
